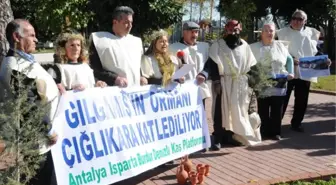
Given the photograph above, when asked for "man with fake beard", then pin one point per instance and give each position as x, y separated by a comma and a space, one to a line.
194, 53
230, 60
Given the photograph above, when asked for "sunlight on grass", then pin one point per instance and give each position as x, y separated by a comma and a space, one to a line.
44, 51
332, 181
327, 83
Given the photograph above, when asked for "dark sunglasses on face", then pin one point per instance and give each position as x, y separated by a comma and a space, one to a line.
297, 18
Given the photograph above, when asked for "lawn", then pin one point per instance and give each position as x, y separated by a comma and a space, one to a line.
316, 182
44, 51
327, 83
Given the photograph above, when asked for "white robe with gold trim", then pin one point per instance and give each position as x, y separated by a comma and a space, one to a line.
121, 55
233, 66
197, 55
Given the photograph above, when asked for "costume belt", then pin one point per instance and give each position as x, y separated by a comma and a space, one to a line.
234, 76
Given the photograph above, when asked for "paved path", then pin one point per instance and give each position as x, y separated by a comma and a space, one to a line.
297, 156
44, 57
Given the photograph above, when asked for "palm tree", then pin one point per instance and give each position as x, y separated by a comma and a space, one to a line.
6, 15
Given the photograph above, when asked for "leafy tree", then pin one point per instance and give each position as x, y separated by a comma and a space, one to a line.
149, 14
54, 16
240, 10
22, 130
6, 15
49, 17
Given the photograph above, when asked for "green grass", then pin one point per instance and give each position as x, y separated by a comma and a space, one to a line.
327, 83
44, 51
316, 182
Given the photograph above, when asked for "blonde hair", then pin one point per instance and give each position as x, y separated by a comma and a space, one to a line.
60, 51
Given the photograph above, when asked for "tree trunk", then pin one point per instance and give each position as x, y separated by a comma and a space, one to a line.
330, 39
191, 7
211, 8
201, 4
6, 15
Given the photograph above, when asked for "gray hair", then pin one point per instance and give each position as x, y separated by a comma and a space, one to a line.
268, 23
301, 12
15, 26
117, 13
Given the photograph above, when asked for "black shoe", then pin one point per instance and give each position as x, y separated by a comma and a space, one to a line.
169, 162
166, 164
216, 147
278, 137
298, 129
233, 142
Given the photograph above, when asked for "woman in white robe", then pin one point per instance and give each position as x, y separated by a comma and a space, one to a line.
273, 54
157, 64
73, 71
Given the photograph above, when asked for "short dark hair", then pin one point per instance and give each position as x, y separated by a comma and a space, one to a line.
15, 26
117, 13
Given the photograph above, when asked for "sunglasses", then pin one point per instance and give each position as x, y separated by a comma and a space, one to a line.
297, 18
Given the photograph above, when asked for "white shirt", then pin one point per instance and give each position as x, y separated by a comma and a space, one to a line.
301, 44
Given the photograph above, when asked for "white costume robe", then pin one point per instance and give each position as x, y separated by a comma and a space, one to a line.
75, 74
150, 67
275, 55
233, 66
301, 44
198, 55
46, 86
121, 55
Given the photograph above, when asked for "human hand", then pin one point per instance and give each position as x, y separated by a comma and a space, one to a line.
121, 81
101, 84
182, 80
296, 61
329, 62
143, 81
79, 87
61, 88
52, 139
200, 79
290, 77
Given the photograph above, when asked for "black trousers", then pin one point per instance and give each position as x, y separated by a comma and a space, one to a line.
46, 174
301, 94
220, 134
270, 112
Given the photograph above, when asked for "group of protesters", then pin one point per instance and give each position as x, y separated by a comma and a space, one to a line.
241, 116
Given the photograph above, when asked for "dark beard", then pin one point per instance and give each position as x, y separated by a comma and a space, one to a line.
233, 41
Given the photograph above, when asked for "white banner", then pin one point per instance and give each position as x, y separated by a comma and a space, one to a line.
110, 134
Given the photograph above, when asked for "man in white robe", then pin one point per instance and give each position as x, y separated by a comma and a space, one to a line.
116, 57
230, 61
196, 53
19, 61
302, 43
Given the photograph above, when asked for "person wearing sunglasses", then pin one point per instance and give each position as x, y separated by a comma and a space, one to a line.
302, 43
